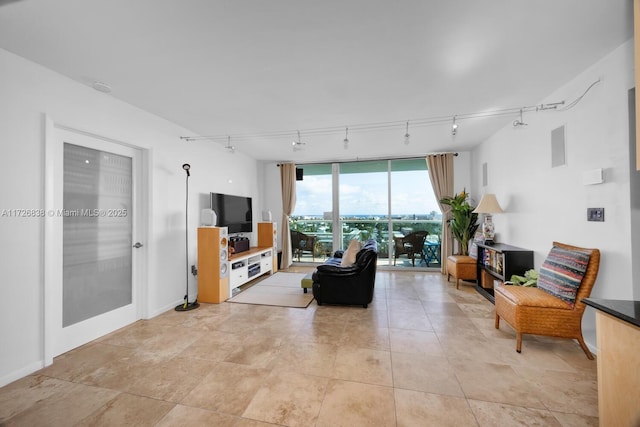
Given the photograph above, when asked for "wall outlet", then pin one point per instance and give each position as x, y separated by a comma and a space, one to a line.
595, 214
194, 270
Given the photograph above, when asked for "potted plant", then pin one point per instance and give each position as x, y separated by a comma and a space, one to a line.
463, 222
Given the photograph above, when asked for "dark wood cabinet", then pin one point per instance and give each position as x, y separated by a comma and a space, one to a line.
497, 263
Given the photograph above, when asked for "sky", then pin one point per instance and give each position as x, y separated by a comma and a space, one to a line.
366, 194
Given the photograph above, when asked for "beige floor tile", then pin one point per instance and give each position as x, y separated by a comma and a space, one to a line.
415, 342
228, 388
414, 408
364, 336
424, 373
307, 357
363, 365
213, 346
288, 398
172, 380
127, 409
457, 327
84, 360
496, 383
181, 416
42, 401
257, 351
570, 392
491, 414
574, 420
321, 331
351, 404
122, 372
410, 320
443, 308
481, 310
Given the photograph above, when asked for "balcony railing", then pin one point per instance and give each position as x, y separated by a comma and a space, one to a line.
363, 229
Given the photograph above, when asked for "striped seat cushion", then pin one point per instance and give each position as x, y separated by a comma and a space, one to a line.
562, 272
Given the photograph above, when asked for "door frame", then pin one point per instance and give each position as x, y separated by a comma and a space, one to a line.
52, 256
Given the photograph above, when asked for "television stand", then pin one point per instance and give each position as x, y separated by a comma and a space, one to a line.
248, 265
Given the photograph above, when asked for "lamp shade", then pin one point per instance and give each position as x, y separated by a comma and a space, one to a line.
488, 205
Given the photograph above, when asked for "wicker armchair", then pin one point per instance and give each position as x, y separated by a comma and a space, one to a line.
301, 242
534, 311
411, 245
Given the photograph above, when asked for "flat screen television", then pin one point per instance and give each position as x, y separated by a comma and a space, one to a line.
234, 212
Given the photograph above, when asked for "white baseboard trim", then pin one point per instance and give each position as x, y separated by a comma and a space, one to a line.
21, 373
166, 308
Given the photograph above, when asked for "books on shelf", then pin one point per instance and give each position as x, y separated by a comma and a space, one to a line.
493, 260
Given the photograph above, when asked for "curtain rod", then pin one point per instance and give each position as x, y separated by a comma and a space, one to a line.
367, 160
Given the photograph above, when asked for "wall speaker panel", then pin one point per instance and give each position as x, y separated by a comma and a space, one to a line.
484, 175
558, 147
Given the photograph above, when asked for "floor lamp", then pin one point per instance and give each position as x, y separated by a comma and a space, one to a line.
186, 306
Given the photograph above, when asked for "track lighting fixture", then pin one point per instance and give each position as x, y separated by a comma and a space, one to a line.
518, 123
298, 145
346, 138
397, 124
406, 135
230, 148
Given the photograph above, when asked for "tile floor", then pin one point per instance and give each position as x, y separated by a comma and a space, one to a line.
422, 354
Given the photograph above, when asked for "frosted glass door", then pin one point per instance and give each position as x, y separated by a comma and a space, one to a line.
97, 233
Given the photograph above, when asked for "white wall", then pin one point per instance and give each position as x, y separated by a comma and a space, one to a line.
545, 204
28, 91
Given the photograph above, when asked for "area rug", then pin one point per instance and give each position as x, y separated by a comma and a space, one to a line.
281, 289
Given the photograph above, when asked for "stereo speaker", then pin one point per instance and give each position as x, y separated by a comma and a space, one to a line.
213, 264
266, 216
208, 217
268, 237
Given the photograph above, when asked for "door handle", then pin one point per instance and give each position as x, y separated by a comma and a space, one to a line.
138, 245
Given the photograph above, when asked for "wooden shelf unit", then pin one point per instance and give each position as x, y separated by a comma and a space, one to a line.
497, 263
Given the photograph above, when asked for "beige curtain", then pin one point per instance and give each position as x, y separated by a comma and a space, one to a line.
441, 175
288, 187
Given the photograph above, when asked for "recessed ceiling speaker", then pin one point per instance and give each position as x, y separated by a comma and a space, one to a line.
101, 87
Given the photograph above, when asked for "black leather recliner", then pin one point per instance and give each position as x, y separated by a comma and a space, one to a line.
349, 285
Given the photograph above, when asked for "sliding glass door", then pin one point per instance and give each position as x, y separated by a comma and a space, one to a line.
385, 200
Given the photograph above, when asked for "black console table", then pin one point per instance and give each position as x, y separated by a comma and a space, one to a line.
497, 263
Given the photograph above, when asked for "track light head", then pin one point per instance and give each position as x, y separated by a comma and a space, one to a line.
519, 123
345, 141
407, 137
298, 145
230, 148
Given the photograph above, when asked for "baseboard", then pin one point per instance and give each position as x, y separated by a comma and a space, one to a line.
21, 373
159, 311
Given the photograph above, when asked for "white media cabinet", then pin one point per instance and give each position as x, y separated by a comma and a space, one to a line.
248, 265
217, 276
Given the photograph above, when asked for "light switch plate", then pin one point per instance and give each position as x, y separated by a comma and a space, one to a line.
595, 214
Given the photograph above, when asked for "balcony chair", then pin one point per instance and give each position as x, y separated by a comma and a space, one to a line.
411, 245
301, 243
538, 312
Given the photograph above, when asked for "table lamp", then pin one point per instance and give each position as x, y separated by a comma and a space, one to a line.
488, 205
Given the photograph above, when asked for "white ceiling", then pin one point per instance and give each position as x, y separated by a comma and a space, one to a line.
240, 67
